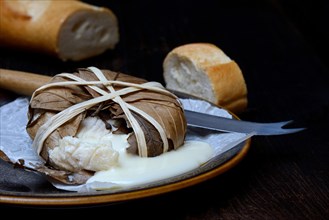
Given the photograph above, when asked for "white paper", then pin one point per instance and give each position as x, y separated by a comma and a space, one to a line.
16, 143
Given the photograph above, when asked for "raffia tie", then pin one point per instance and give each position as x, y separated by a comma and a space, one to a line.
63, 116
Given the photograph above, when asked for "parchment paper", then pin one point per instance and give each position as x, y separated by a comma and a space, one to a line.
16, 143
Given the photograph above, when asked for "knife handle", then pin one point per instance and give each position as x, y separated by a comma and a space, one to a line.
23, 83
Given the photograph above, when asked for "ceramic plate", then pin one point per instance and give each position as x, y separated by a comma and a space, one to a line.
22, 187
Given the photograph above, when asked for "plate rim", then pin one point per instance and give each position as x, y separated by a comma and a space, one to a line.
98, 199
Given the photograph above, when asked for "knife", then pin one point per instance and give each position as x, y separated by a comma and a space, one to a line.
25, 83
217, 123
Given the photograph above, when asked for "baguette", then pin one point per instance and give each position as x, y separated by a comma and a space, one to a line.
70, 29
205, 71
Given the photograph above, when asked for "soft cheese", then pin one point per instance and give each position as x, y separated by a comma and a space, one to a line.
91, 149
133, 170
96, 148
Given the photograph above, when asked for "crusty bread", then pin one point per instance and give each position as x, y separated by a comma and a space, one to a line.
205, 71
71, 30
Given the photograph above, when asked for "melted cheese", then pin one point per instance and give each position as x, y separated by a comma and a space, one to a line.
98, 149
133, 170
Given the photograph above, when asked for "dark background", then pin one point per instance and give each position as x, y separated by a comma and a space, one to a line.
281, 47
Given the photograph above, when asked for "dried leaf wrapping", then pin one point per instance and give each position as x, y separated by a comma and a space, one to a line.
161, 106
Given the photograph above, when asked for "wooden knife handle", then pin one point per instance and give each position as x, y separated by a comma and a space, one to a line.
23, 83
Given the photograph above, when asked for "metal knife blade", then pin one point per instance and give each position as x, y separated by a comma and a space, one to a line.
207, 121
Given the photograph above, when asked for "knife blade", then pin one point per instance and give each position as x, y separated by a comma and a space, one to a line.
217, 123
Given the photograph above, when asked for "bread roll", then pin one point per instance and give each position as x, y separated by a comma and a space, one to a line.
205, 71
70, 29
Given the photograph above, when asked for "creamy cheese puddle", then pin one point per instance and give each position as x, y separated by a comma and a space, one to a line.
96, 147
133, 170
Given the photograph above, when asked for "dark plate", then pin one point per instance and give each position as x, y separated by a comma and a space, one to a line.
22, 187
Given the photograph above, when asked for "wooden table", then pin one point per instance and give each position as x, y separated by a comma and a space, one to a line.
281, 177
